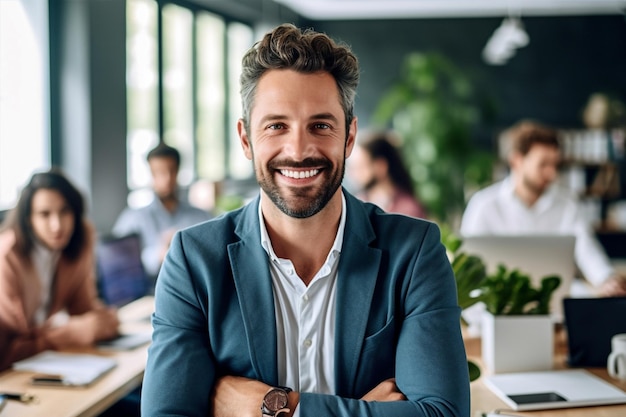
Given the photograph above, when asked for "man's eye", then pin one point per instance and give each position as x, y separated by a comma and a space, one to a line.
275, 126
321, 126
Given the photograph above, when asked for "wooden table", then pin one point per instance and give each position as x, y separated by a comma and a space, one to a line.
92, 400
484, 400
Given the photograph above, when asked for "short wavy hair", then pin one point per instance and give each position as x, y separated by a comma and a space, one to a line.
305, 51
522, 136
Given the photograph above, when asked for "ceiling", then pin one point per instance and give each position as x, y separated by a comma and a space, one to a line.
405, 9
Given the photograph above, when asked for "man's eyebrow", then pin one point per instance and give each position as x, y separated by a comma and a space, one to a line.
318, 116
324, 116
269, 117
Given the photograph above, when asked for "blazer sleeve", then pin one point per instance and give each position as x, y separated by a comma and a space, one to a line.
180, 372
18, 339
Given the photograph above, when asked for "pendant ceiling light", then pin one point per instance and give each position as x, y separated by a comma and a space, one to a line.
506, 39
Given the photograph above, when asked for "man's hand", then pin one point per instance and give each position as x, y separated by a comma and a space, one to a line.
385, 391
615, 286
236, 396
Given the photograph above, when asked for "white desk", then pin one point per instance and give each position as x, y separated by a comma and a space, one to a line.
93, 400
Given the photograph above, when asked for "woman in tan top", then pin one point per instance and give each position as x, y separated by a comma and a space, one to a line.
48, 296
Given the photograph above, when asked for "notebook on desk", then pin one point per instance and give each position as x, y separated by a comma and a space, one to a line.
525, 391
65, 369
535, 255
590, 324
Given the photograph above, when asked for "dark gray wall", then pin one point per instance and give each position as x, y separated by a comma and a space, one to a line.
88, 101
567, 59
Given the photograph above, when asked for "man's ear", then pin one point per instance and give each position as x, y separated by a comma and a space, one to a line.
244, 140
351, 137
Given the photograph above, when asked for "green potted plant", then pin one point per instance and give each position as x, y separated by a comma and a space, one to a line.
517, 328
515, 311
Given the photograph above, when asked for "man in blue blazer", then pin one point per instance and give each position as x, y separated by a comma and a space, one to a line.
307, 301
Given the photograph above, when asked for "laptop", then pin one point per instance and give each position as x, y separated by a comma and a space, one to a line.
525, 391
121, 280
535, 255
121, 275
590, 324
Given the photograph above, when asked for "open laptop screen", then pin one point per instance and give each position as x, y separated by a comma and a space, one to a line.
121, 275
535, 255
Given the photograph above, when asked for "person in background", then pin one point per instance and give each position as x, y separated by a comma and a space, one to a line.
157, 222
306, 301
377, 168
48, 294
530, 201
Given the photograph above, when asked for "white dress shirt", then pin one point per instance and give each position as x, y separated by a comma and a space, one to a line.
305, 318
45, 262
497, 210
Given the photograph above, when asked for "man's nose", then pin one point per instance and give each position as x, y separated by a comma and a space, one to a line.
299, 144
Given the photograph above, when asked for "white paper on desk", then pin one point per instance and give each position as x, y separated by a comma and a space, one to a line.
76, 369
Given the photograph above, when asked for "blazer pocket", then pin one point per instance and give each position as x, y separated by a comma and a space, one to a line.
386, 335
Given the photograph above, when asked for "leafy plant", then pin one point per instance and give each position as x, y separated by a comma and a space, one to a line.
469, 273
510, 292
469, 270
506, 291
432, 107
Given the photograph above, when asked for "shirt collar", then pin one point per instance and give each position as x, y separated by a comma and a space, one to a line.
266, 243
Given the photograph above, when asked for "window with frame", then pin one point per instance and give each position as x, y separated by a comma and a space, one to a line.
183, 70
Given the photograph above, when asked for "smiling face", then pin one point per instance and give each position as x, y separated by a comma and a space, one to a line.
297, 140
52, 219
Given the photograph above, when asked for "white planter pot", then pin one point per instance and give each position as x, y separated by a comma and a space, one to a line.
517, 343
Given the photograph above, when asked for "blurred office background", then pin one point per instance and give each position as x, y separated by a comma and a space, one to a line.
91, 85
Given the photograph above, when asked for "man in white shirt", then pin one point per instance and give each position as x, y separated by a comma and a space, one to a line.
306, 301
529, 201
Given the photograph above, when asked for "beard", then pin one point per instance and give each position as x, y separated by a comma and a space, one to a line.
535, 187
301, 202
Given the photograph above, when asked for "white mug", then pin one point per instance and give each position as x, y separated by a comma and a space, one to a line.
617, 358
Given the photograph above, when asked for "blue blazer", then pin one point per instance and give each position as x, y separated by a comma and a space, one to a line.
397, 316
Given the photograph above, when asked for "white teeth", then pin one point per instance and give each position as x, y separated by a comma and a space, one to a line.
299, 174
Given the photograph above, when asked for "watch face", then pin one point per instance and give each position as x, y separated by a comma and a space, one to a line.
276, 399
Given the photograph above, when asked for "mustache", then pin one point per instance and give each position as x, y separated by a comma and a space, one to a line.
305, 163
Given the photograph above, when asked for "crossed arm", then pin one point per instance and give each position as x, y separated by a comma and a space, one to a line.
241, 397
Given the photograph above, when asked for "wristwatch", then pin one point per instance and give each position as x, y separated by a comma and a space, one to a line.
275, 402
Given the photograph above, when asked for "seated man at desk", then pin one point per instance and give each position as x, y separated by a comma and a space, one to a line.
157, 222
529, 201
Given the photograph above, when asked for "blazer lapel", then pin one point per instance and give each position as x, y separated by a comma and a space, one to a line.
358, 271
254, 287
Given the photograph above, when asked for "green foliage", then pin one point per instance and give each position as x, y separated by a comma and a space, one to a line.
227, 203
474, 371
431, 105
469, 273
510, 292
469, 270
